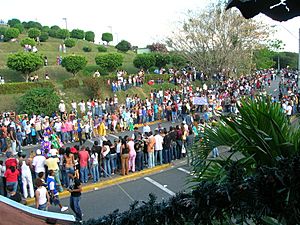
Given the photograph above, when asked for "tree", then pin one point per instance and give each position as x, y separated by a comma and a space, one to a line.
102, 48
34, 33
90, 36
25, 62
70, 42
53, 30
144, 61
123, 46
3, 30
263, 58
38, 101
32, 24
27, 41
109, 61
276, 46
214, 40
62, 33
11, 33
19, 26
161, 59
76, 33
13, 22
74, 63
178, 60
45, 29
107, 37
44, 36
287, 59
158, 47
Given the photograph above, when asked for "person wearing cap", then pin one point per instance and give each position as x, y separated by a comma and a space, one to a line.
38, 162
52, 164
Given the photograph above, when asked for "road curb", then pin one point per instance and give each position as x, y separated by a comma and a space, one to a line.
111, 181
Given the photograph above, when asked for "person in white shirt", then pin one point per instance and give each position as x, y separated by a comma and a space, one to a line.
62, 108
74, 106
289, 110
26, 177
82, 107
158, 147
146, 128
38, 162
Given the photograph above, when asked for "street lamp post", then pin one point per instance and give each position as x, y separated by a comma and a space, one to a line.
65, 19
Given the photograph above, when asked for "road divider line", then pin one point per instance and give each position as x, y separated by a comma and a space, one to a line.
184, 170
162, 187
114, 136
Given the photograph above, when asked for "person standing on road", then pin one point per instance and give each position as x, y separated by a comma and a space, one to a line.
75, 199
38, 162
132, 155
124, 156
52, 164
158, 147
26, 176
42, 198
83, 162
150, 149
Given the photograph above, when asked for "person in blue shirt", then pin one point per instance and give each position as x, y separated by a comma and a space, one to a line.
33, 134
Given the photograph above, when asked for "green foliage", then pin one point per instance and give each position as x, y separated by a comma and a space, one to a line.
53, 30
89, 70
178, 60
25, 62
287, 59
70, 42
34, 33
74, 63
45, 29
109, 61
144, 61
102, 48
39, 100
76, 33
19, 26
161, 59
27, 41
87, 48
123, 46
71, 83
32, 24
44, 37
13, 22
62, 34
11, 33
3, 30
263, 58
107, 37
21, 87
90, 36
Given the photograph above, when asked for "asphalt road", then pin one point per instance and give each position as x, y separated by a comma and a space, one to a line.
163, 184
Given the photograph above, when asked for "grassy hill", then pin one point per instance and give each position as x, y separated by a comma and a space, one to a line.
58, 74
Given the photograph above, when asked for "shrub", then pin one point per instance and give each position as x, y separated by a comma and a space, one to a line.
45, 29
94, 85
87, 49
161, 59
27, 41
38, 101
102, 48
70, 42
53, 30
62, 33
21, 87
13, 22
32, 24
76, 33
3, 30
44, 37
144, 61
71, 83
11, 33
89, 70
90, 36
34, 33
178, 60
123, 46
74, 63
107, 37
19, 26
109, 61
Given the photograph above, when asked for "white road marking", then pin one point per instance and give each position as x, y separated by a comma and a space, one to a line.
162, 187
113, 135
184, 170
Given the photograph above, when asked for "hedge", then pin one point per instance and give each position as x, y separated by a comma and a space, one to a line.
21, 87
71, 83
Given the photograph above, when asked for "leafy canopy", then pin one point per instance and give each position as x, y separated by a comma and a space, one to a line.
27, 41
74, 63
89, 36
109, 61
34, 33
77, 33
123, 46
107, 37
144, 61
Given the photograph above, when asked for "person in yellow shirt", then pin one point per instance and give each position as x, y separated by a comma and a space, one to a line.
52, 164
102, 129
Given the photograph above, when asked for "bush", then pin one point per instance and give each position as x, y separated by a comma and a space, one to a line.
107, 37
161, 59
32, 24
71, 83
53, 30
102, 48
13, 22
178, 60
11, 33
76, 33
109, 61
19, 26
87, 49
44, 37
3, 30
21, 87
74, 63
70, 42
27, 41
144, 61
38, 101
123, 46
90, 36
93, 85
62, 34
45, 29
34, 33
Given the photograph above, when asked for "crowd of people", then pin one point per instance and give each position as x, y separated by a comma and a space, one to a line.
57, 165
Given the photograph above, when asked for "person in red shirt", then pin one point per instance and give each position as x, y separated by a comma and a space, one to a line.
10, 161
83, 162
11, 175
